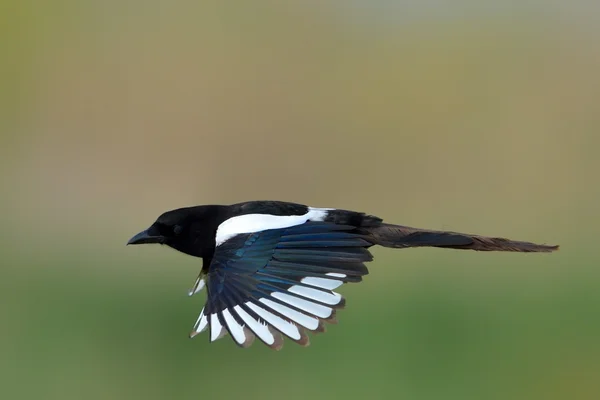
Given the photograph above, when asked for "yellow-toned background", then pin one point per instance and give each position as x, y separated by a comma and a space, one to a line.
472, 118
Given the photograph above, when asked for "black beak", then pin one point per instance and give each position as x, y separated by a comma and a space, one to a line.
150, 235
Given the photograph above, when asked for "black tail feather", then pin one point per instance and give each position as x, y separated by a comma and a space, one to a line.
397, 236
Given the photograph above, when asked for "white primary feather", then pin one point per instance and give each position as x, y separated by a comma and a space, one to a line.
260, 330
305, 305
201, 322
316, 294
198, 286
282, 325
216, 329
302, 319
236, 330
323, 283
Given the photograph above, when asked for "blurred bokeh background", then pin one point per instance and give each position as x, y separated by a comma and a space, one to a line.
480, 117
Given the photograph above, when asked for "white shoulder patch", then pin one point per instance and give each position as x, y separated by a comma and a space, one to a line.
251, 223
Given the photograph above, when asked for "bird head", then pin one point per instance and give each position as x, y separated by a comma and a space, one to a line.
189, 230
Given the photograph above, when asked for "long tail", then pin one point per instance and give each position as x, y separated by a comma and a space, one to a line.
398, 236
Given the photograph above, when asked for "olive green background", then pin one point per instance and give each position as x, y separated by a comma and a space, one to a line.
468, 118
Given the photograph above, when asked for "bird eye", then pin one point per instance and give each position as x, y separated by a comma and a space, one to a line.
177, 229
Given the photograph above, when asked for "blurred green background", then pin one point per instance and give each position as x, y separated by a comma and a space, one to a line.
477, 116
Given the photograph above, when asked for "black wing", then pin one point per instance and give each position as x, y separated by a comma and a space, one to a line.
280, 281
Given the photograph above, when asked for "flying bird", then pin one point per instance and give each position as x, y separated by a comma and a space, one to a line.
270, 267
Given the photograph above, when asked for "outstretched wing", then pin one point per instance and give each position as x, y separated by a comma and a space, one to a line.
280, 281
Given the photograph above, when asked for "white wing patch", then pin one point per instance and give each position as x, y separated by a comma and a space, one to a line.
251, 223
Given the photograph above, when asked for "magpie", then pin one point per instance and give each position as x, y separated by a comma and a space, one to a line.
270, 267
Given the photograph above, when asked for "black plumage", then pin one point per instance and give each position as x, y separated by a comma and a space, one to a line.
270, 267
